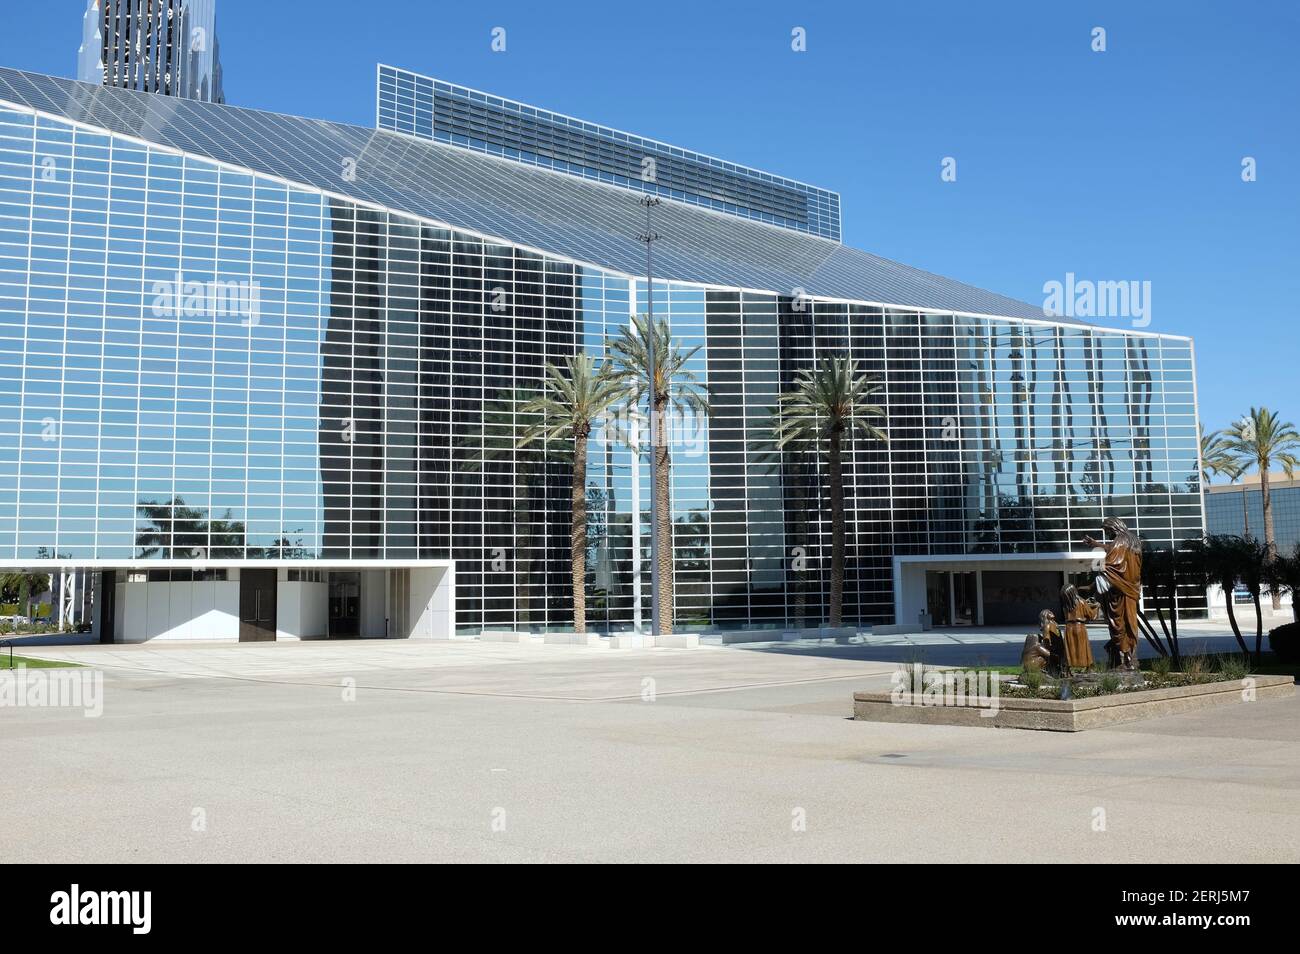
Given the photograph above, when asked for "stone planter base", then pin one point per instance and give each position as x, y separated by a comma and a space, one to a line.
1073, 715
573, 639
504, 636
678, 641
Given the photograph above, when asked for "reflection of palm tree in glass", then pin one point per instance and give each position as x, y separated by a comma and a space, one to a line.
988, 453
285, 548
506, 418
1106, 464
1064, 434
174, 531
1139, 409
1019, 405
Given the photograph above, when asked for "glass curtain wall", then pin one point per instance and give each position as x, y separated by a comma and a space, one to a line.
200, 362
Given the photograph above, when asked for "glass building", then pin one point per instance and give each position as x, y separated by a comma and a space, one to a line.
155, 46
444, 112
1238, 509
264, 374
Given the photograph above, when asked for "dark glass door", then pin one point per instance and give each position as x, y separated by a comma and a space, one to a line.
965, 598
257, 605
107, 605
345, 605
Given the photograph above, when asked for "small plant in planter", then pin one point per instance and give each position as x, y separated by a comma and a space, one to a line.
1109, 682
1234, 667
1160, 666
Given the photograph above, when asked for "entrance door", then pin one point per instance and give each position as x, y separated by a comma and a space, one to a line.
257, 605
345, 605
938, 597
108, 605
965, 599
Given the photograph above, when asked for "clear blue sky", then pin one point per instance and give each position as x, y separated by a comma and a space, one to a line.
1115, 166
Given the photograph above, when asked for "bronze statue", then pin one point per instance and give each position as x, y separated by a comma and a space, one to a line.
1037, 652
1078, 612
1119, 585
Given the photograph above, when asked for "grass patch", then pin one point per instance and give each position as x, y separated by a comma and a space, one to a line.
1269, 664
34, 663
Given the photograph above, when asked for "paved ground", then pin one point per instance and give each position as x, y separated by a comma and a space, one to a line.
482, 752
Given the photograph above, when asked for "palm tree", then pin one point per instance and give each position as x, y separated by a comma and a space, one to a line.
1161, 573
572, 400
1261, 440
1254, 565
23, 584
1283, 576
827, 407
1216, 458
1217, 561
675, 389
1234, 477
505, 421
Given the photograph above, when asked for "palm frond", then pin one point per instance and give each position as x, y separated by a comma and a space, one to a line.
573, 399
831, 399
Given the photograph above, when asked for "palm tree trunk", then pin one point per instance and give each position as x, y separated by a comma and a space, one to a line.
578, 535
1259, 624
1173, 625
1164, 627
1149, 633
1270, 540
663, 503
836, 467
1229, 588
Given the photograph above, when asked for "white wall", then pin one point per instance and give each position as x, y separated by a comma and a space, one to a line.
909, 579
210, 609
1218, 606
909, 595
374, 602
433, 603
192, 610
301, 610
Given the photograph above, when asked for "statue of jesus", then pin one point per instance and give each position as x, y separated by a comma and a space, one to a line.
1119, 587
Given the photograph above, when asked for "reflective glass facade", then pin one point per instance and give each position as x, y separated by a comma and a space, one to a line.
197, 361
155, 46
444, 112
1227, 512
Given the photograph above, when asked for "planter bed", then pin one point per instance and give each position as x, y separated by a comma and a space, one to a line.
1072, 715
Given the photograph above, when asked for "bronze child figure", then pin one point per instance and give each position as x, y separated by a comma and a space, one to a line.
1037, 653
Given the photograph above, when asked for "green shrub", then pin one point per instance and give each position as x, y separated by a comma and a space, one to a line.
1195, 668
1033, 679
1160, 665
1234, 667
1109, 682
8, 609
1285, 641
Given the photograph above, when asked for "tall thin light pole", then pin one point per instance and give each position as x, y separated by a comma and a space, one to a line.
649, 237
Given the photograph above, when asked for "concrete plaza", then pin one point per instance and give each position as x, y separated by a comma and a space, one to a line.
451, 751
